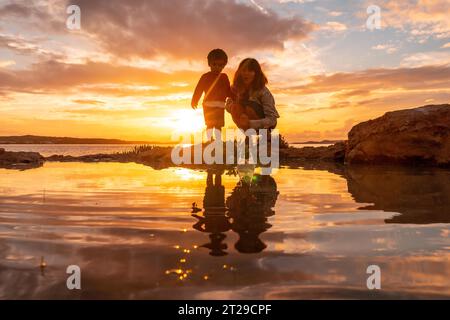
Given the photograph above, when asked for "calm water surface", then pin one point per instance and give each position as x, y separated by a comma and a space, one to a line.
301, 233
68, 149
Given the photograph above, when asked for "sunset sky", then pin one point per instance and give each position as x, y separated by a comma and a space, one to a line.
129, 72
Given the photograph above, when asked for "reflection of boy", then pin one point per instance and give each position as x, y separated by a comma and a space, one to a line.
216, 87
214, 200
214, 220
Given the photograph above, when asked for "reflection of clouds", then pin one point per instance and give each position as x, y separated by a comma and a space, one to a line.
186, 174
363, 239
127, 233
293, 246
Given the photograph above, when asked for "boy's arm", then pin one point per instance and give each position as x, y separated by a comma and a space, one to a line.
228, 87
199, 89
231, 96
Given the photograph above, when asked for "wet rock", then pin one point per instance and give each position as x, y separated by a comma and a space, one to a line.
60, 158
21, 160
87, 158
420, 135
335, 152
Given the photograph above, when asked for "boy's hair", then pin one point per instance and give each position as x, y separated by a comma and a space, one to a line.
260, 79
217, 54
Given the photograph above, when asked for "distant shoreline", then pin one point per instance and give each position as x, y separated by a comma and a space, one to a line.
31, 139
94, 143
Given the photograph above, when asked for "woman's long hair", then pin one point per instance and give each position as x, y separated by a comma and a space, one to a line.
259, 81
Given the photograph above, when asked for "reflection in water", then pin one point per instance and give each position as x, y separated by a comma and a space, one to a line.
420, 195
249, 205
215, 222
246, 212
126, 226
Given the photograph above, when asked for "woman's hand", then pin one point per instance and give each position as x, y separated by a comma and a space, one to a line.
229, 104
244, 122
234, 108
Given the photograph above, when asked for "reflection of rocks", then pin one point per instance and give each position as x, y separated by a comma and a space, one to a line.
403, 136
419, 195
330, 166
20, 160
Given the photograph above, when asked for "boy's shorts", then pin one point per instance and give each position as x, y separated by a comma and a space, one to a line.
214, 117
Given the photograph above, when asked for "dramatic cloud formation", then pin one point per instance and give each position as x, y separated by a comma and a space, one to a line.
52, 76
185, 28
43, 15
360, 83
423, 18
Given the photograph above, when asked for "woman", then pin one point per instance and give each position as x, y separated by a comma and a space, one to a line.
252, 106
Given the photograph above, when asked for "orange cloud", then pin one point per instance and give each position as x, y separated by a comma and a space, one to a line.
185, 28
93, 102
423, 18
57, 77
428, 77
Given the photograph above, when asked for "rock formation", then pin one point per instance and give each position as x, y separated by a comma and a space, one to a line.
20, 160
420, 135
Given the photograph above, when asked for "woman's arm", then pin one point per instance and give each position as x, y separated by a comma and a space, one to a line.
270, 112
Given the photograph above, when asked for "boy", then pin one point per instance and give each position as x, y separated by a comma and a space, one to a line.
216, 87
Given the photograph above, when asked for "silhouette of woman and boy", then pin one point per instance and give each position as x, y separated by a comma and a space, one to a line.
249, 101
251, 105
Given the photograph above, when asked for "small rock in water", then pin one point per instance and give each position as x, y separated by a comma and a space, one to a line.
43, 263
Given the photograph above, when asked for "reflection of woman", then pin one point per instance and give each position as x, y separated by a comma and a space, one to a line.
249, 206
253, 106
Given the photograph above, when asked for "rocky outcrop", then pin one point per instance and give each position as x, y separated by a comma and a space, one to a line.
160, 157
101, 157
20, 160
335, 152
420, 135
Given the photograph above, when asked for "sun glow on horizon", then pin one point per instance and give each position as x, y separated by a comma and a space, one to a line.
187, 121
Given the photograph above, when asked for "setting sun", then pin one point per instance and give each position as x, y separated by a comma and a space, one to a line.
187, 121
